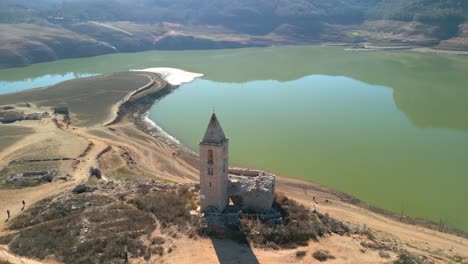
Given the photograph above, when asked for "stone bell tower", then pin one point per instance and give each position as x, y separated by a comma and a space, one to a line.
214, 167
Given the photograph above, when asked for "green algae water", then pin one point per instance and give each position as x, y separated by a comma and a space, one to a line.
390, 128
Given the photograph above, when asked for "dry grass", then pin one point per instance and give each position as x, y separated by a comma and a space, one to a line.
171, 207
96, 227
9, 134
98, 235
80, 228
298, 227
57, 208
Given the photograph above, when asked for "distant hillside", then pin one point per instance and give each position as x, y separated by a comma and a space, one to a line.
257, 22
254, 16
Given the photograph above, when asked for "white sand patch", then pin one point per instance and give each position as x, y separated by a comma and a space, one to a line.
174, 76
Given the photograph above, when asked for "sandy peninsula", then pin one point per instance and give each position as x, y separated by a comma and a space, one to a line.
109, 130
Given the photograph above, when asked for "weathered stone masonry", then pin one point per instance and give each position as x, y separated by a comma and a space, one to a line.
248, 189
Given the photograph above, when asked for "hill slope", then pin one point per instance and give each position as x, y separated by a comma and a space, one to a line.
93, 27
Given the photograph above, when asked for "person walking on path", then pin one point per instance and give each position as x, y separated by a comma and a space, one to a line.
24, 205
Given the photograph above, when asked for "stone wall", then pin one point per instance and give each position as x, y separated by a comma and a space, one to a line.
254, 193
245, 172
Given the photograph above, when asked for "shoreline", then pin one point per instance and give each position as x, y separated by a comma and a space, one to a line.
347, 46
132, 149
138, 114
136, 110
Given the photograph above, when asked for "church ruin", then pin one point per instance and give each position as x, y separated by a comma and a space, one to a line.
220, 186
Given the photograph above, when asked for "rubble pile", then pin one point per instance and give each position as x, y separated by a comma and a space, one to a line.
31, 177
252, 190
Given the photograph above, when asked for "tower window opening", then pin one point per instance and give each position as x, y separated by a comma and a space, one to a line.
210, 184
210, 171
210, 156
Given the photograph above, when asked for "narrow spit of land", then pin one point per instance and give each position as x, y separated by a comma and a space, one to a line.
129, 149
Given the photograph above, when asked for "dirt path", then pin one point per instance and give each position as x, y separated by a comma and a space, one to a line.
11, 199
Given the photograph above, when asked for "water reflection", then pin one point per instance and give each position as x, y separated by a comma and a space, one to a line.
42, 81
362, 137
336, 131
428, 88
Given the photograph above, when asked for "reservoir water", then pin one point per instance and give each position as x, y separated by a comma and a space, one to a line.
389, 127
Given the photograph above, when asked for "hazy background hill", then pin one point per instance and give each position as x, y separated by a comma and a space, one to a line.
41, 30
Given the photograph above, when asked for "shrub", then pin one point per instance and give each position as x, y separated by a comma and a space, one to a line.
299, 225
384, 254
300, 254
171, 207
158, 241
82, 188
158, 250
5, 240
46, 239
322, 255
407, 258
108, 230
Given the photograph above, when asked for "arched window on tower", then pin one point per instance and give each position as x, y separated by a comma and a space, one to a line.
210, 156
210, 171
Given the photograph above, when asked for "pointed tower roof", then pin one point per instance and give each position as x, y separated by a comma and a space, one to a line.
214, 133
